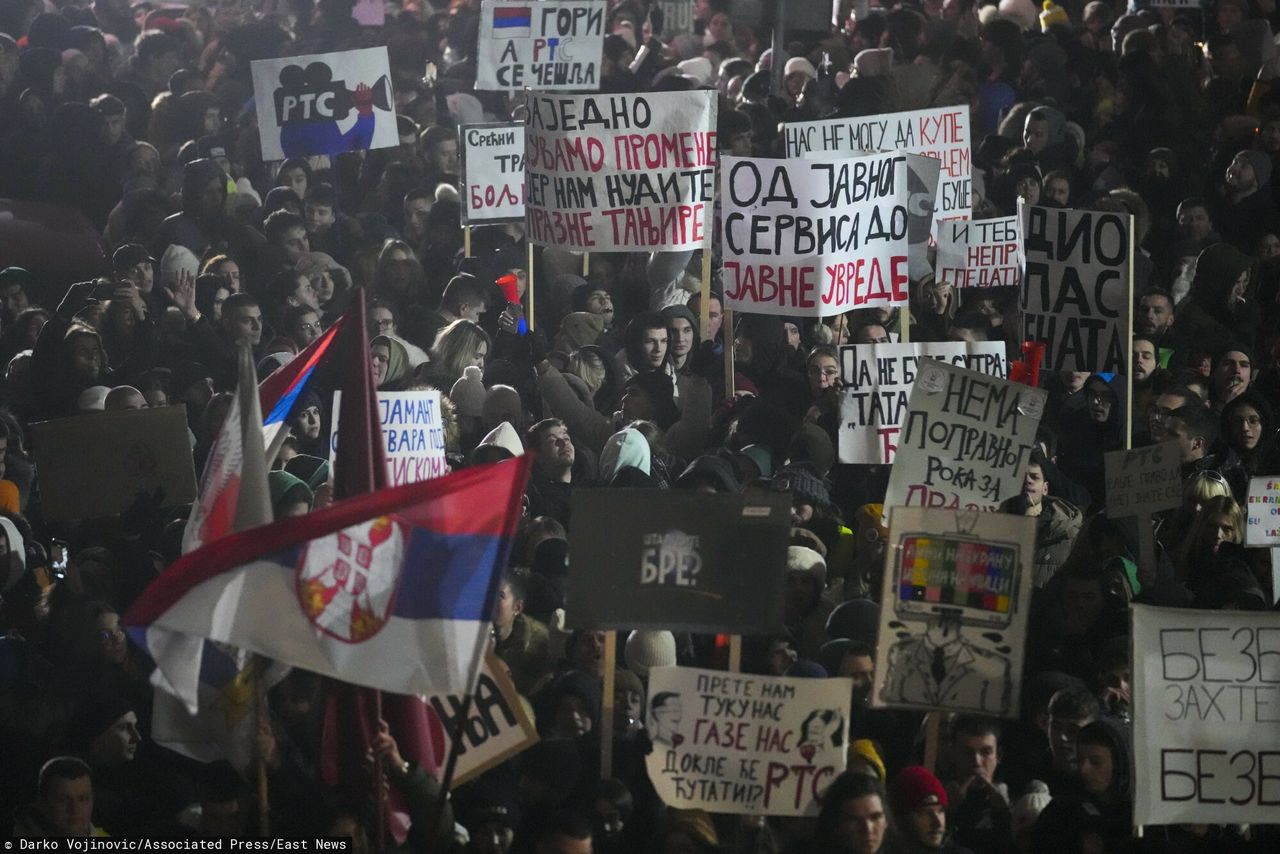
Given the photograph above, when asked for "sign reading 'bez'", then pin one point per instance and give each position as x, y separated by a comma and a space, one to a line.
549, 46
732, 743
1075, 294
1206, 703
814, 237
621, 173
492, 172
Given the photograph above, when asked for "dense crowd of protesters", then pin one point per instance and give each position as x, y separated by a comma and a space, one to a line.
141, 118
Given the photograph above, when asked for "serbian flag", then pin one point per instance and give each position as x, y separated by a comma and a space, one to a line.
511, 22
230, 479
391, 590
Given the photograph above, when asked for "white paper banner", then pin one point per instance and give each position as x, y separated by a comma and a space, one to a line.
492, 172
550, 46
981, 253
412, 433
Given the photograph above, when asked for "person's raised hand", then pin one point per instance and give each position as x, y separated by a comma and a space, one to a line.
183, 295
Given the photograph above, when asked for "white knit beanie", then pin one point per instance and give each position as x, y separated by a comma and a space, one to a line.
646, 649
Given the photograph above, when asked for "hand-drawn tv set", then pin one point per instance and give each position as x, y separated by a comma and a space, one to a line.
957, 575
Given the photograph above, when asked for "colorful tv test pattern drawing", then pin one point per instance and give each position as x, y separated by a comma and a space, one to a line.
959, 574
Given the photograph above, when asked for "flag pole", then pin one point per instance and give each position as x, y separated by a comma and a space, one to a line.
264, 723
379, 778
466, 241
606, 714
726, 329
529, 279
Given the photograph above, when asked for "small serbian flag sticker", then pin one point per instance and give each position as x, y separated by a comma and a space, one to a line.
512, 21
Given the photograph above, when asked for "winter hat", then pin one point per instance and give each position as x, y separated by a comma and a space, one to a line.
315, 263
646, 649
1261, 163
699, 68
760, 457
799, 479
1024, 13
857, 620
313, 471
286, 489
468, 392
95, 716
812, 445
1026, 809
625, 680
178, 259
801, 65
504, 436
501, 403
673, 311
866, 748
803, 668
627, 447
808, 562
580, 328
868, 521
913, 787
708, 470
93, 399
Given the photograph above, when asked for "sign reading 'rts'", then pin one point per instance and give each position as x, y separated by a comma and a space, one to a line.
548, 46
1143, 481
733, 743
325, 103
677, 560
492, 172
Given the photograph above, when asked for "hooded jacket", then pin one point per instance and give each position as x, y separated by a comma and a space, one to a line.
1057, 526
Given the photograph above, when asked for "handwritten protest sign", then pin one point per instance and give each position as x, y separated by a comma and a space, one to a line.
966, 440
734, 743
325, 103
953, 623
623, 173
551, 46
1206, 702
492, 172
673, 560
942, 133
814, 237
982, 253
877, 386
96, 465
1076, 288
412, 432
677, 17
1140, 483
497, 726
1263, 528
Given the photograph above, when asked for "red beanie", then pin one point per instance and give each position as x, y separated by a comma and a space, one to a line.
915, 787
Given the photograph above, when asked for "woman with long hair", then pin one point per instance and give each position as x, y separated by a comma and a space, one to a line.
457, 346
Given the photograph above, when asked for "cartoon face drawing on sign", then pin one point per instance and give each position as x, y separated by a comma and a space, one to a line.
822, 728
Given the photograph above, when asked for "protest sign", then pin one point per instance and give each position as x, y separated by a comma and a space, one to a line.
981, 253
96, 465
1076, 287
953, 623
877, 385
1143, 481
677, 18
814, 237
678, 560
1263, 527
551, 46
942, 133
325, 103
497, 726
412, 433
621, 173
966, 440
1206, 701
492, 172
735, 743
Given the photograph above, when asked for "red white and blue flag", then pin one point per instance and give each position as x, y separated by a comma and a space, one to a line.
391, 590
511, 22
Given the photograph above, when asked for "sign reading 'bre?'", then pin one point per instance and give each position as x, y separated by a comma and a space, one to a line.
1206, 706
674, 561
1075, 291
983, 253
621, 173
957, 592
816, 237
492, 172
878, 380
966, 440
325, 103
941, 133
1263, 527
412, 433
740, 744
555, 45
